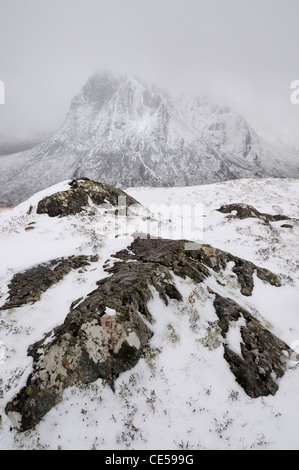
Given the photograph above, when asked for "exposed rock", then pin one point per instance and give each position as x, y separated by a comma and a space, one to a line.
227, 311
94, 343
244, 211
244, 270
195, 263
27, 287
263, 354
169, 253
76, 199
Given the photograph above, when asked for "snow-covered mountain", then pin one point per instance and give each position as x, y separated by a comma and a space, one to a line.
124, 132
21, 142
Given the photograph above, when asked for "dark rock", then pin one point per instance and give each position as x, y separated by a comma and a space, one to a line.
76, 199
244, 211
92, 344
263, 358
63, 203
263, 354
27, 287
244, 270
169, 253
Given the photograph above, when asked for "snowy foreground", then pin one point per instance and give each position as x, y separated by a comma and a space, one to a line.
182, 395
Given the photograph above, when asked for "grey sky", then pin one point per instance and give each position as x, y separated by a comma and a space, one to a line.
244, 52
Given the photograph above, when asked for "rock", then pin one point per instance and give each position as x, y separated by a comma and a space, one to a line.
263, 354
76, 199
196, 263
263, 359
217, 260
244, 211
92, 344
95, 343
27, 287
227, 311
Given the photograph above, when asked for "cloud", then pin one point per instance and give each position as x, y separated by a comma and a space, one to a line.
239, 52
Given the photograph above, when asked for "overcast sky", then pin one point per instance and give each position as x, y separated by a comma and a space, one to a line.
243, 52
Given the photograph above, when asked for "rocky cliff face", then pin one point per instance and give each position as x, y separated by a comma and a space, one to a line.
127, 133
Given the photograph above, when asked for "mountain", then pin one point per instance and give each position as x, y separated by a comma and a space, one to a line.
125, 132
111, 340
20, 143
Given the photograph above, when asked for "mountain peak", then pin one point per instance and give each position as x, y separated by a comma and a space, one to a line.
105, 81
126, 132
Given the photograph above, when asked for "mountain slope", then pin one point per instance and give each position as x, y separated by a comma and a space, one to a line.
21, 143
127, 133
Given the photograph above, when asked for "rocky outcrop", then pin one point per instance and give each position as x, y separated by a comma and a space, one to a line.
77, 198
263, 355
263, 360
105, 334
244, 270
244, 211
28, 286
194, 263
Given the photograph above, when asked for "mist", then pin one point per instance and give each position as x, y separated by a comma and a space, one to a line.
242, 53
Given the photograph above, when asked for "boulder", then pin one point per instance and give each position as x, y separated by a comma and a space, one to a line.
27, 286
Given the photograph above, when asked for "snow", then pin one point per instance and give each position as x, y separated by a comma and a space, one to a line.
126, 132
181, 394
110, 311
233, 337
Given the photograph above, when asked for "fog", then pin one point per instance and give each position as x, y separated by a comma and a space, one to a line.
241, 52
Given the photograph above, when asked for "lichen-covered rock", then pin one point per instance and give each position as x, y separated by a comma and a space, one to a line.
27, 286
76, 199
99, 347
196, 263
105, 334
91, 343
